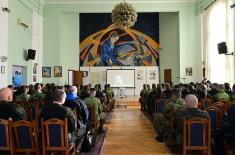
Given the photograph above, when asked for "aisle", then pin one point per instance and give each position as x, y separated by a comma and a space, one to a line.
130, 133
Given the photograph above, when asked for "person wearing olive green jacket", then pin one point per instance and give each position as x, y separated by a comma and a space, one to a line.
92, 100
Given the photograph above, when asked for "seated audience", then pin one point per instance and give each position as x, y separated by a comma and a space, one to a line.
57, 110
166, 118
221, 95
23, 96
101, 95
227, 88
38, 94
92, 100
232, 95
167, 92
227, 131
85, 92
8, 109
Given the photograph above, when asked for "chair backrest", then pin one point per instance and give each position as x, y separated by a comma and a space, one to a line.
197, 135
226, 104
25, 135
92, 116
6, 136
55, 136
159, 105
32, 109
214, 117
54, 133
206, 103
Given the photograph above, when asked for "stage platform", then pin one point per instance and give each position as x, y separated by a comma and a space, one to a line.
129, 100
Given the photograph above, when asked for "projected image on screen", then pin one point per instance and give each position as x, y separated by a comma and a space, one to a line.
121, 78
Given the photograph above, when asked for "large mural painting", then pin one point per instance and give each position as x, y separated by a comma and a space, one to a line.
103, 44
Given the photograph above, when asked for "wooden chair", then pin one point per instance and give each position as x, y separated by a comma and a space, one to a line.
226, 104
214, 117
158, 107
92, 118
205, 103
25, 135
32, 109
197, 135
5, 136
55, 137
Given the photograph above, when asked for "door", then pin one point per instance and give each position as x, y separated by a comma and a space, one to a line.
167, 75
78, 77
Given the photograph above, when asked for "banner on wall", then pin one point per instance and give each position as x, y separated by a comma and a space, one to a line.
103, 44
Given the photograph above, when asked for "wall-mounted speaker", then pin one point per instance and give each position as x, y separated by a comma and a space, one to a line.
222, 48
31, 54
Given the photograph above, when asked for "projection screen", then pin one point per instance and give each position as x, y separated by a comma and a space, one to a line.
121, 78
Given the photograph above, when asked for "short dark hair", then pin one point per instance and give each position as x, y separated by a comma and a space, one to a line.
58, 95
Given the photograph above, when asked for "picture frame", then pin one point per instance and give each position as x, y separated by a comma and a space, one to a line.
34, 68
34, 78
189, 71
57, 71
46, 71
2, 69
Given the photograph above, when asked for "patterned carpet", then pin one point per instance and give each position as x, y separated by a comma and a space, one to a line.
108, 117
99, 144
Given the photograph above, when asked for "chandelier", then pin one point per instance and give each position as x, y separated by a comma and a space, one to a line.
124, 15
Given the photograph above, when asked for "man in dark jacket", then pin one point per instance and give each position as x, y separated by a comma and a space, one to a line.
57, 110
9, 110
227, 131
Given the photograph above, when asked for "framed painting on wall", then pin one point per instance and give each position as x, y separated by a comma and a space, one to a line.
189, 71
46, 71
57, 71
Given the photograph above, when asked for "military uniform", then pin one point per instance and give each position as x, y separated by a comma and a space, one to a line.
165, 120
22, 97
142, 98
221, 96
91, 100
37, 96
176, 135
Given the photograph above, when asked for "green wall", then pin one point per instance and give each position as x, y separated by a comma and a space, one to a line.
179, 40
19, 38
169, 41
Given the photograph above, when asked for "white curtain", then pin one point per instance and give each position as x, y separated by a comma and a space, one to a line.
218, 22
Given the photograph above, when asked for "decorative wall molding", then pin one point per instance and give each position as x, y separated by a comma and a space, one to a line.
63, 2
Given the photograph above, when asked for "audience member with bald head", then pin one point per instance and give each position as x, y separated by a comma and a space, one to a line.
190, 111
9, 110
6, 94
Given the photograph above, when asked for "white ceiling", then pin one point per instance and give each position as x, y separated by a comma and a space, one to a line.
115, 1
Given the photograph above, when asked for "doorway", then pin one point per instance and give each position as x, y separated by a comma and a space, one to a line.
167, 76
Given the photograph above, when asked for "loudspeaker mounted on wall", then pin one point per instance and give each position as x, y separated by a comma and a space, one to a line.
222, 48
31, 54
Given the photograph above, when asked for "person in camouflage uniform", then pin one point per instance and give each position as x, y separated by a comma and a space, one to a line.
109, 95
142, 92
145, 97
165, 119
152, 96
38, 95
24, 96
190, 111
100, 115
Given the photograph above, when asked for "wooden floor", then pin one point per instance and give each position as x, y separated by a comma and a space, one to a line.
131, 133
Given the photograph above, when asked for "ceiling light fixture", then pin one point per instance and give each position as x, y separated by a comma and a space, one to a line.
124, 15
